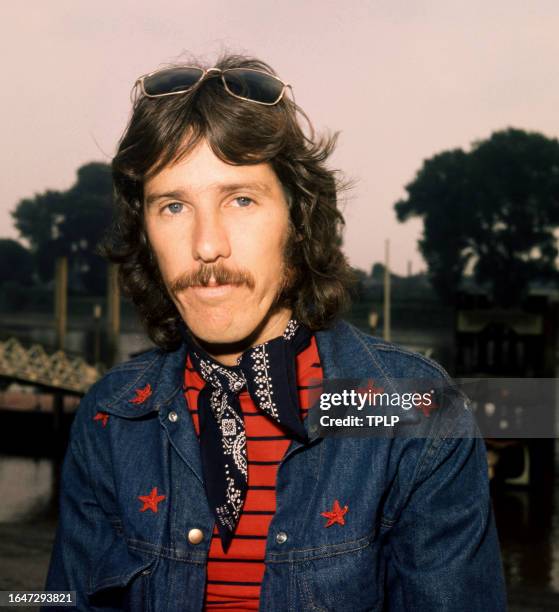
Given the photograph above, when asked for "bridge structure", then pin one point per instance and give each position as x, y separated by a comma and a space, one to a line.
57, 372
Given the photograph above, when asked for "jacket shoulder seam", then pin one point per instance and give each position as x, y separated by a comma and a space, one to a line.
430, 363
360, 337
141, 362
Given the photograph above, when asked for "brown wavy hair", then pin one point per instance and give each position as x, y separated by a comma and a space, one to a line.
163, 130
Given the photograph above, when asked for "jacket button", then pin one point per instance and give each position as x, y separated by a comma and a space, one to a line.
195, 536
281, 537
173, 417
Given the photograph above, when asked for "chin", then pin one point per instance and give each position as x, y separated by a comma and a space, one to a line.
227, 330
218, 336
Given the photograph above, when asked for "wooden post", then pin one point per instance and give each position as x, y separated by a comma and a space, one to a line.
61, 301
97, 313
61, 321
386, 334
373, 321
113, 312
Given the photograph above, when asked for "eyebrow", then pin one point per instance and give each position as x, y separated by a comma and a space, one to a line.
220, 188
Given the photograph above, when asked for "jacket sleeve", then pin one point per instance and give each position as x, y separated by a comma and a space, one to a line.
443, 551
84, 530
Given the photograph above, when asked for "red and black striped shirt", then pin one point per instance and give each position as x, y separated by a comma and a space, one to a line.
234, 578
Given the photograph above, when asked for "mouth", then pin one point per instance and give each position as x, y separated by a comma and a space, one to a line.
212, 290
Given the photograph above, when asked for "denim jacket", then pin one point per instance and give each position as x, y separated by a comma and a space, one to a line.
419, 533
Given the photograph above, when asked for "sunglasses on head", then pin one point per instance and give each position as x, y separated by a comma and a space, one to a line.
243, 83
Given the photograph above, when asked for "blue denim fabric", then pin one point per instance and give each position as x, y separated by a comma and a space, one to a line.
419, 533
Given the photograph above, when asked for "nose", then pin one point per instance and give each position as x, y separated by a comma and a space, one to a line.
210, 239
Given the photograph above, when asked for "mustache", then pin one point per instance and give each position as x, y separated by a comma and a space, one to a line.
203, 275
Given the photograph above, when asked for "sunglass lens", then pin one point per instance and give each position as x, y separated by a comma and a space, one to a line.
253, 85
172, 80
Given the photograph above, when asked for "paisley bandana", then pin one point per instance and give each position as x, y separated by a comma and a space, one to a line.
267, 371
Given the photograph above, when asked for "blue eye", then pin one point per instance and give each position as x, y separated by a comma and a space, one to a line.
174, 207
243, 201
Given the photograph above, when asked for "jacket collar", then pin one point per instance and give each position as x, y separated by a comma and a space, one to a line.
152, 380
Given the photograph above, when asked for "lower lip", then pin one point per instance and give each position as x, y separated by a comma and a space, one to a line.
212, 292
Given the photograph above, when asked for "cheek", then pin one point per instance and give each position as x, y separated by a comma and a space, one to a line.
169, 249
264, 255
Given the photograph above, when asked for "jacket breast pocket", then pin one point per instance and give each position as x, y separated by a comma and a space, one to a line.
120, 580
348, 577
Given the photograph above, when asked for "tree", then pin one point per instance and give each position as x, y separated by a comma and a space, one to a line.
378, 270
358, 289
16, 263
70, 223
494, 209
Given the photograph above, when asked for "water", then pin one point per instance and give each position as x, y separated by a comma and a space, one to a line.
528, 527
26, 489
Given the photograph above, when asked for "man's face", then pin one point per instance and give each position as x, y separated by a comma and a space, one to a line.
218, 233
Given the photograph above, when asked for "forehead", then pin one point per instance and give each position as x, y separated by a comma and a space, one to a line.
201, 170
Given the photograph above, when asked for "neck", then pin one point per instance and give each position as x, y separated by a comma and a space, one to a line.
271, 327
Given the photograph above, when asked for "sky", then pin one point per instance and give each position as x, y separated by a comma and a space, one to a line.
401, 80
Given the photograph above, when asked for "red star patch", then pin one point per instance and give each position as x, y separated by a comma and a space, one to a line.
336, 515
150, 501
141, 395
103, 417
370, 387
427, 408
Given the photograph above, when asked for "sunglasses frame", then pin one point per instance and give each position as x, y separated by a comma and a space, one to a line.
204, 74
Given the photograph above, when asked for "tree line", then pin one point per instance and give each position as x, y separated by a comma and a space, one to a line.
62, 223
491, 213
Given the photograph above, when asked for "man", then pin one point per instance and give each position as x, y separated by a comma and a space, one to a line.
193, 479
